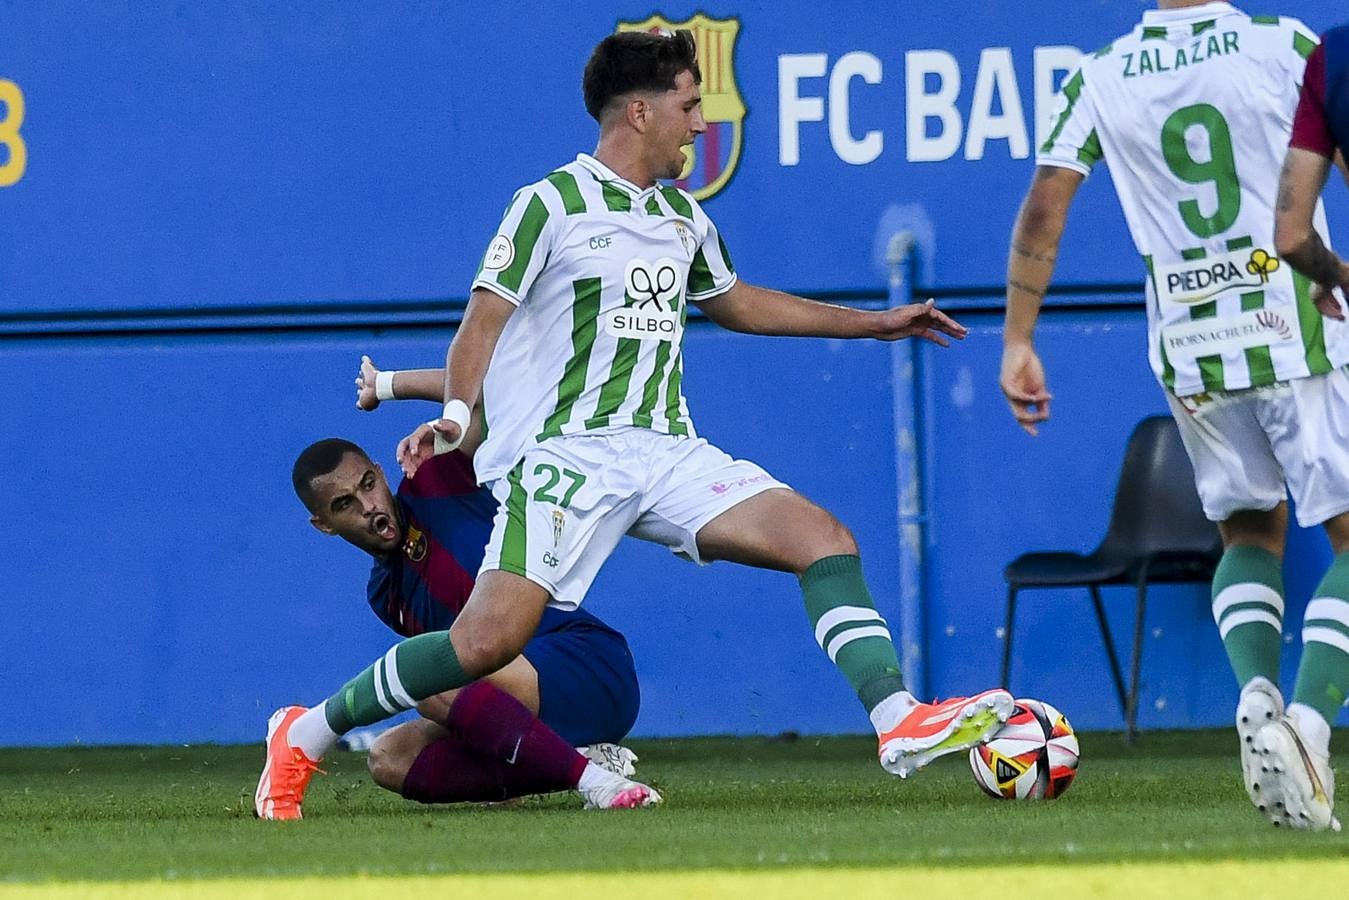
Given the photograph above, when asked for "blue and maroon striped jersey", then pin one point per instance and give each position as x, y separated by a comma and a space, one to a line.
447, 520
1336, 48
1322, 121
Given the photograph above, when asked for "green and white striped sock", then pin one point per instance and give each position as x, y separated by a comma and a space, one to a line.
848, 628
1248, 608
1323, 673
411, 671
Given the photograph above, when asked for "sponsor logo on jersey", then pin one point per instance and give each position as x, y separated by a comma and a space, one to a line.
711, 160
1213, 337
651, 310
414, 545
500, 254
1201, 280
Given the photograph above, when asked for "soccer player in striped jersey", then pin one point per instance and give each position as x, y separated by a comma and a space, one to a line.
579, 306
1192, 110
508, 735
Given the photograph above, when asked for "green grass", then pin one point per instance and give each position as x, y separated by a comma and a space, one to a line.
185, 812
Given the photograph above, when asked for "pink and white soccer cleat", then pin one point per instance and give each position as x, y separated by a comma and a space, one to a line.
620, 793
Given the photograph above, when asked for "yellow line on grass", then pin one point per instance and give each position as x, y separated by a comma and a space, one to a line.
1219, 880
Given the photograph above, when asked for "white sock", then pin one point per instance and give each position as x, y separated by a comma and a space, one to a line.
595, 776
311, 733
892, 710
1313, 727
1260, 683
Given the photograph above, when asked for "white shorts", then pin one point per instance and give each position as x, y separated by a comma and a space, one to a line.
1245, 445
564, 508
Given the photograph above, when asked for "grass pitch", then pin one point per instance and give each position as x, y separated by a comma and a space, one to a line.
735, 809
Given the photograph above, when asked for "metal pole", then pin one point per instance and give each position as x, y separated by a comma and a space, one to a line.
909, 449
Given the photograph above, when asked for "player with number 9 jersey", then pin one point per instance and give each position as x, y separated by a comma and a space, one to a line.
1194, 120
1192, 110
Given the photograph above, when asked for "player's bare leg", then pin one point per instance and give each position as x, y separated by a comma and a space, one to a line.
393, 752
779, 529
501, 615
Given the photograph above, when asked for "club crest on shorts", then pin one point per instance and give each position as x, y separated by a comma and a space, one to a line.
559, 520
711, 160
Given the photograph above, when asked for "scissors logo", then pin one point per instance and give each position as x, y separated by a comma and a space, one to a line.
652, 283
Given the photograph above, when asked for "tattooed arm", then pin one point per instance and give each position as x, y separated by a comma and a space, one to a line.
1300, 184
1030, 265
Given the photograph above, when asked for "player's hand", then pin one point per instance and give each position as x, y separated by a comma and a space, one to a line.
420, 446
1023, 383
366, 398
920, 320
1326, 301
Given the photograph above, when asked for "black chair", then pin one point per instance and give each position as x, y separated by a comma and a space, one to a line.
1157, 535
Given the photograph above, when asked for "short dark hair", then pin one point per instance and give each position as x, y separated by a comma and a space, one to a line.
636, 61
316, 460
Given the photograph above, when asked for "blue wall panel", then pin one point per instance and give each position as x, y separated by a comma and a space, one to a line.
172, 589
997, 493
167, 586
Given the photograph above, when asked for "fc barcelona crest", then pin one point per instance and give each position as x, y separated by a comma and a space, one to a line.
414, 544
711, 160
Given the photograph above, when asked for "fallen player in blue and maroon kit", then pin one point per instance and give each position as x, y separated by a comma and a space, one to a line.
505, 736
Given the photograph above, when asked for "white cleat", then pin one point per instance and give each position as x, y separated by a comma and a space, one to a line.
1260, 704
614, 757
1305, 781
620, 793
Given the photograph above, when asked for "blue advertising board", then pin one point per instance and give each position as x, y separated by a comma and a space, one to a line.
256, 154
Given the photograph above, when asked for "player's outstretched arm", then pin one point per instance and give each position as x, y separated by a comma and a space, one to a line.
465, 368
373, 385
1300, 184
1030, 266
755, 310
411, 384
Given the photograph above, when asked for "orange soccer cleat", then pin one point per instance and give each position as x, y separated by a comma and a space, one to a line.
287, 771
931, 730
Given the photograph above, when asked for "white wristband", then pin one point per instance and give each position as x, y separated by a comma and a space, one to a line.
384, 385
455, 411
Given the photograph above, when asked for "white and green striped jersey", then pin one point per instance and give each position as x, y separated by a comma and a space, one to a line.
602, 272
1192, 110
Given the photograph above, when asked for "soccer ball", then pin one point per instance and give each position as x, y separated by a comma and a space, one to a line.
1033, 756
